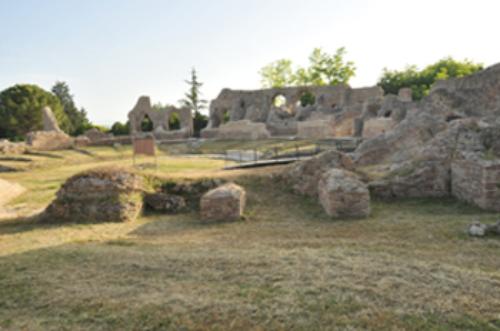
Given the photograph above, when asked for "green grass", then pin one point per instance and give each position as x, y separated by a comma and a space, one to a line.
410, 266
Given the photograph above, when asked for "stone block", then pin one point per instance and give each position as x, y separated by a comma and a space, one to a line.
225, 203
342, 194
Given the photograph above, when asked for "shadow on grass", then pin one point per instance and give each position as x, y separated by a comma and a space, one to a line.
44, 154
21, 224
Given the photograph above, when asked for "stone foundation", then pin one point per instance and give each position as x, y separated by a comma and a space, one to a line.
319, 129
239, 130
49, 140
477, 182
104, 195
377, 126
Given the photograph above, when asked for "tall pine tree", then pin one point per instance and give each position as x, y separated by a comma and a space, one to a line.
192, 100
78, 121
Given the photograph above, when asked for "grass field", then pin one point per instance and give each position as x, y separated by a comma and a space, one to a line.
410, 266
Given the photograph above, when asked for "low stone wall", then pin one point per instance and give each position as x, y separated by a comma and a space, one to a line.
377, 126
7, 147
49, 140
319, 129
123, 140
238, 130
477, 182
173, 134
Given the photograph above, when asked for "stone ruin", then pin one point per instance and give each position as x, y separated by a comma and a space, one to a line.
446, 145
95, 196
328, 112
160, 120
52, 137
224, 203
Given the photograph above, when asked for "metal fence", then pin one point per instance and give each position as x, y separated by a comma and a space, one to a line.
294, 151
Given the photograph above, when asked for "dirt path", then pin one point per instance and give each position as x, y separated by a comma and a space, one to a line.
8, 191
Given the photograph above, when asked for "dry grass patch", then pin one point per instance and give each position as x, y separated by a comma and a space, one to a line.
409, 267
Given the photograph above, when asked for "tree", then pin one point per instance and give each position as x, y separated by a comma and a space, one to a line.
21, 110
421, 81
78, 121
323, 69
192, 100
120, 129
327, 69
278, 74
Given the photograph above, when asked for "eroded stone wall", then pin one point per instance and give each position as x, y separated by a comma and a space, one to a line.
477, 182
340, 103
160, 120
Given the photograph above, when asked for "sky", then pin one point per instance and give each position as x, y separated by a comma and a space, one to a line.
110, 52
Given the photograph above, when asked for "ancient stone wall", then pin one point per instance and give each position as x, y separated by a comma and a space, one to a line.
477, 181
160, 120
282, 118
49, 140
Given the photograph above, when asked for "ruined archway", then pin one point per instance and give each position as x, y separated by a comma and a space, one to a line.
279, 101
306, 99
226, 116
147, 124
174, 122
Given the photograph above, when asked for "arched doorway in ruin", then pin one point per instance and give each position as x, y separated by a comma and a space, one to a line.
306, 98
147, 124
174, 121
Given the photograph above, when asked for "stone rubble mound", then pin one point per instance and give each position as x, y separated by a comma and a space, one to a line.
95, 196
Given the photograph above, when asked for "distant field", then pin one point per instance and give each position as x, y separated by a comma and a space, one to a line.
410, 266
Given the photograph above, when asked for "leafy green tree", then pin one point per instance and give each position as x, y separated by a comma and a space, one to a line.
78, 121
329, 69
174, 122
278, 74
323, 69
421, 81
192, 100
21, 110
120, 129
147, 124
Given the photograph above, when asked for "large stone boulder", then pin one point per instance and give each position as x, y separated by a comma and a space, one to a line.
225, 203
49, 140
303, 176
343, 194
102, 195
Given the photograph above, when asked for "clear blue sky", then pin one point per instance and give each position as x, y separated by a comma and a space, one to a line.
112, 51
